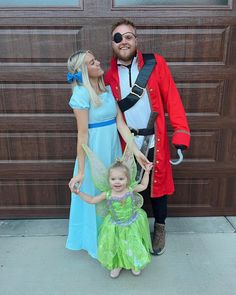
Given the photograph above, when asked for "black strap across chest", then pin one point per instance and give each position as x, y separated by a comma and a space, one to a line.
140, 84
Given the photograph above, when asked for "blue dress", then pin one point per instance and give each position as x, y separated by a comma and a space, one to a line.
105, 143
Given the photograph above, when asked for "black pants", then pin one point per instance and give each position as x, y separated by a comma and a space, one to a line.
159, 205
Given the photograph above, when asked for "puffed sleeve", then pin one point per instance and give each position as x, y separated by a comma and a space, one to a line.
79, 98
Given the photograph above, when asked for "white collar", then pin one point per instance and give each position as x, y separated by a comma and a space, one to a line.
134, 62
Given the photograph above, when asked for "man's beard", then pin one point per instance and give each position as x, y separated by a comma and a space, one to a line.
128, 57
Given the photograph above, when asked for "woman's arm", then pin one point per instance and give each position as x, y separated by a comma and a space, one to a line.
90, 199
126, 134
82, 138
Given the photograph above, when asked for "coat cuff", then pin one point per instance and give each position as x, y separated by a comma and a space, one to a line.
181, 137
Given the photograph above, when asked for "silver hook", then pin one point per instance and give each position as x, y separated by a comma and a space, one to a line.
181, 157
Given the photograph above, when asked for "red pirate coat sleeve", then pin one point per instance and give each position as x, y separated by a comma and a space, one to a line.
172, 104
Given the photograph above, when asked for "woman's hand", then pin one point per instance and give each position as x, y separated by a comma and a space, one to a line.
75, 183
141, 159
148, 167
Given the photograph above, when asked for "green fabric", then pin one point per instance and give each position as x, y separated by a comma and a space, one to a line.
124, 246
124, 237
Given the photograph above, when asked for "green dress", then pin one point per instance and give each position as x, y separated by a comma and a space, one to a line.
124, 237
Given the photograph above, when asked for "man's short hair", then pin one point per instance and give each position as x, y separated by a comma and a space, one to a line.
123, 21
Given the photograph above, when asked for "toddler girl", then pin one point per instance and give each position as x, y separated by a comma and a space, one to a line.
124, 238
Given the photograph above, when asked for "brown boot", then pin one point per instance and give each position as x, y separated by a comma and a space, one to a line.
158, 240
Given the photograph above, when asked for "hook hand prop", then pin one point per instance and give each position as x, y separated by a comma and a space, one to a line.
181, 157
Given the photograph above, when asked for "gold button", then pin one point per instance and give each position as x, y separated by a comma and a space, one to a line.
157, 162
157, 150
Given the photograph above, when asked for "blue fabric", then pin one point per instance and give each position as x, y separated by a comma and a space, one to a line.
79, 98
84, 223
101, 124
76, 76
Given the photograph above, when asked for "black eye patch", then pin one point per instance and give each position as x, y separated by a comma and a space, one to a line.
117, 38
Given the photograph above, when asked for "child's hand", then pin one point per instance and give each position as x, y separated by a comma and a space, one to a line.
148, 167
76, 189
75, 184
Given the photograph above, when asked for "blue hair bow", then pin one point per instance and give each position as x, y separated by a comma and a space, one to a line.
77, 76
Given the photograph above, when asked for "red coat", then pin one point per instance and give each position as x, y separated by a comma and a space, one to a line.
163, 97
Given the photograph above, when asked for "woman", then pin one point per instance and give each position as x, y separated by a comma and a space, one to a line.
98, 118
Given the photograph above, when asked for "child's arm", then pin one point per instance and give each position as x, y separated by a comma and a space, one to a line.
91, 200
145, 180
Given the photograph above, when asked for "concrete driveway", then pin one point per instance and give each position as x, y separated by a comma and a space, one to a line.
200, 260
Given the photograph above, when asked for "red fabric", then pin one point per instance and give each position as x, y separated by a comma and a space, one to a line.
163, 97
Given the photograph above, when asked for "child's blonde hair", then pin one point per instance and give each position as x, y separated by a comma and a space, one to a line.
76, 63
120, 165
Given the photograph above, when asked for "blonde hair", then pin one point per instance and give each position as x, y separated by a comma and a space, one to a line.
76, 63
120, 165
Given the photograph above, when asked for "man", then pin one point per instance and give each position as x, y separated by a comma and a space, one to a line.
160, 95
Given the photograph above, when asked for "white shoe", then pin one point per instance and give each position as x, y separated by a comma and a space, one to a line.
115, 272
136, 272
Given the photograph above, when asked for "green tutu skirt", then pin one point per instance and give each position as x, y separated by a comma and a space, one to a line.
125, 245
